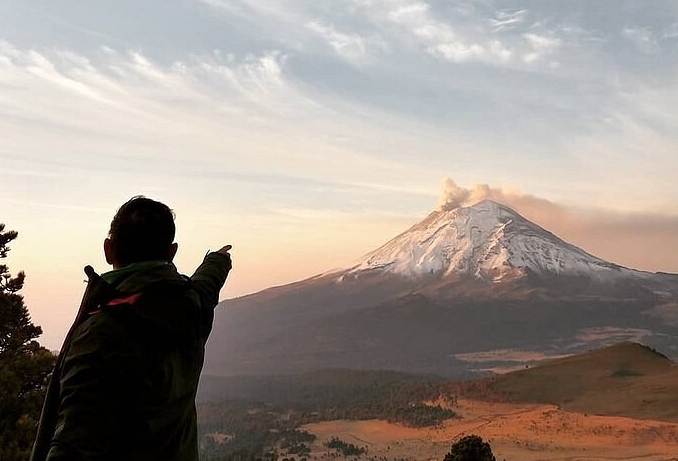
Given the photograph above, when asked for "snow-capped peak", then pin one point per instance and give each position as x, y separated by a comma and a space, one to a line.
487, 240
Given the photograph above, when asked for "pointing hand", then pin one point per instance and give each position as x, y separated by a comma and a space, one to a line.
225, 249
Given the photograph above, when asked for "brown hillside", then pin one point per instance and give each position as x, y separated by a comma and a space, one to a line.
626, 379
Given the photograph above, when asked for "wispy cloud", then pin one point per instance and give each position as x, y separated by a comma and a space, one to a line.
457, 35
243, 113
437, 37
507, 19
351, 47
541, 46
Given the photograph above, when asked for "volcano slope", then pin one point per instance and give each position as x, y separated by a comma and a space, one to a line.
468, 282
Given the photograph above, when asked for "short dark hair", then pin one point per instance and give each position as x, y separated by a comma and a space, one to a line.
142, 230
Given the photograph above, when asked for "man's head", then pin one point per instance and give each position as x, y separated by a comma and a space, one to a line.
141, 230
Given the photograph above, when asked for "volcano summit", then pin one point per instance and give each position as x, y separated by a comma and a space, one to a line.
465, 289
488, 241
491, 243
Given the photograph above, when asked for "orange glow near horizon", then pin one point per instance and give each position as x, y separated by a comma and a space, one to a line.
53, 257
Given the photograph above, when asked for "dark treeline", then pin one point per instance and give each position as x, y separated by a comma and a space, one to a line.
25, 365
346, 449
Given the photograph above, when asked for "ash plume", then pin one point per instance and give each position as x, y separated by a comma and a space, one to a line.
454, 196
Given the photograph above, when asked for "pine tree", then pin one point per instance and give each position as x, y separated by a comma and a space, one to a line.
24, 364
470, 448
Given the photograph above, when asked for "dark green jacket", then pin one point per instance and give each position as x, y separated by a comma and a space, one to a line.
130, 374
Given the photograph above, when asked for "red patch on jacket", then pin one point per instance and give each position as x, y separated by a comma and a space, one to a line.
131, 299
127, 300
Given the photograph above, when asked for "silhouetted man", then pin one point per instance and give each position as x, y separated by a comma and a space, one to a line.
125, 382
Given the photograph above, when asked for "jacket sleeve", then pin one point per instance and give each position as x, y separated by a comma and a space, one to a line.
99, 393
210, 277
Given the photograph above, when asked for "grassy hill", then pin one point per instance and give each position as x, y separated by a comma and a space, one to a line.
626, 379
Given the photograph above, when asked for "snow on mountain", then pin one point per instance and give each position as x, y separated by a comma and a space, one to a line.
488, 241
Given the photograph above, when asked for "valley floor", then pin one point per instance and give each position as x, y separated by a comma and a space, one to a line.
516, 433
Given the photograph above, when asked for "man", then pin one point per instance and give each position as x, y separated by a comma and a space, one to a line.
126, 378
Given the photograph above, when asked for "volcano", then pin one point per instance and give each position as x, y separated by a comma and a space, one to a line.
465, 290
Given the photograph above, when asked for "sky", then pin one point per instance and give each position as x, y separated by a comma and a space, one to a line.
308, 133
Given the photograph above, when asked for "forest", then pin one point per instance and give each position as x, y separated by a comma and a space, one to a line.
260, 417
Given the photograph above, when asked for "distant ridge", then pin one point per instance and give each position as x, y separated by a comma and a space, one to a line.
626, 379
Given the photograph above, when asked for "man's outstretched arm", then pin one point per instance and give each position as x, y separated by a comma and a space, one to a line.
211, 275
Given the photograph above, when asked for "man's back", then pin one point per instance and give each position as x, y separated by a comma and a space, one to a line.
127, 389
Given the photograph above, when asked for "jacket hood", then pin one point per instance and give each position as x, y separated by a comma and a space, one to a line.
136, 277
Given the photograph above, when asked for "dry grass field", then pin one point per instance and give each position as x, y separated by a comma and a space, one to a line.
617, 403
517, 432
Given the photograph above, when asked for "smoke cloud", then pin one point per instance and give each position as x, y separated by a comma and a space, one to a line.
642, 241
454, 196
